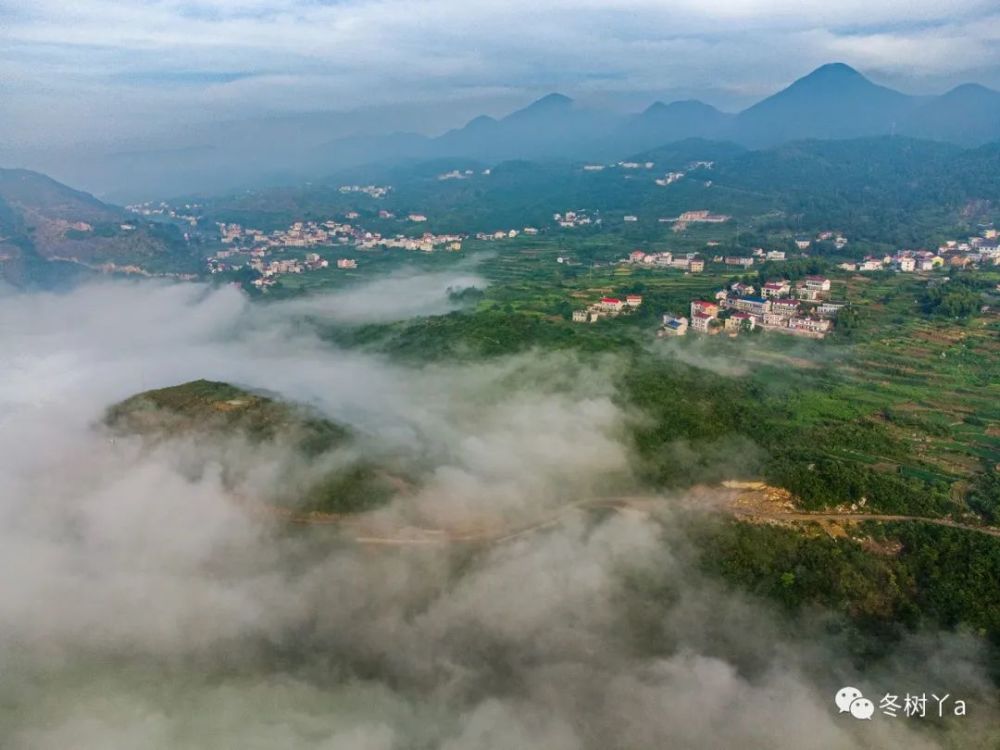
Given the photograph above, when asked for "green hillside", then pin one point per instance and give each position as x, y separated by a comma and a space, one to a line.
208, 412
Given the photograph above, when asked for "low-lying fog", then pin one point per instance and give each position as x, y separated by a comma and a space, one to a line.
141, 608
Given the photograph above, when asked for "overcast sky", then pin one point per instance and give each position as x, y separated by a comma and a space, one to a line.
76, 69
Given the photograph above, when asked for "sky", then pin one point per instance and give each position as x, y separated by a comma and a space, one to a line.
86, 71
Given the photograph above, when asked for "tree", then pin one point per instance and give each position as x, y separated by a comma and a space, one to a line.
984, 497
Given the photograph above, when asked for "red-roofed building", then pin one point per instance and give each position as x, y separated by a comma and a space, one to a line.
633, 300
705, 307
701, 321
612, 304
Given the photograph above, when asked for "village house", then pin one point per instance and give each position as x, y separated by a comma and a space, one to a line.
785, 307
830, 309
736, 260
704, 307
809, 326
607, 306
819, 283
673, 326
753, 305
346, 263
702, 322
776, 289
870, 264
696, 265
738, 321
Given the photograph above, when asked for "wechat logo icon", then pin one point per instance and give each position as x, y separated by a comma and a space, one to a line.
850, 700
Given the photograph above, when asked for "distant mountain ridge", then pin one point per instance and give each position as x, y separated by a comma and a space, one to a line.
834, 101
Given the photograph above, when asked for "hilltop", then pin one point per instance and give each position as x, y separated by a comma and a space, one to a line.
209, 412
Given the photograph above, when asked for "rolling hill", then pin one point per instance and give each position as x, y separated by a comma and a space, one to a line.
45, 225
216, 416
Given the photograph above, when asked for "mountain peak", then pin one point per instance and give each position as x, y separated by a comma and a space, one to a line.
554, 99
682, 105
834, 70
831, 77
970, 89
549, 104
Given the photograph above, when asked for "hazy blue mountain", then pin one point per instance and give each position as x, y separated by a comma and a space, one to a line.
968, 114
666, 123
553, 126
834, 101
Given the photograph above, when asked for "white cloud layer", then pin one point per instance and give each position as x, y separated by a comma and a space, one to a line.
142, 608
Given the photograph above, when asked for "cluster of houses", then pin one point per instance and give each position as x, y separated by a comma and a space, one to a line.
505, 234
685, 262
189, 213
839, 241
428, 242
299, 234
456, 174
745, 261
373, 191
619, 165
695, 264
270, 270
254, 248
578, 218
607, 307
906, 261
982, 250
670, 178
804, 310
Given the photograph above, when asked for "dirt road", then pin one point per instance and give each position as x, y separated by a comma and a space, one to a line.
753, 502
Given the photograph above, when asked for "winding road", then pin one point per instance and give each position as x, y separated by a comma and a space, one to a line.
750, 502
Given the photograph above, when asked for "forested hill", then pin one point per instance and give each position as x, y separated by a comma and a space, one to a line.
48, 229
887, 189
227, 424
